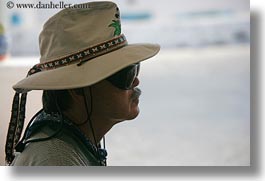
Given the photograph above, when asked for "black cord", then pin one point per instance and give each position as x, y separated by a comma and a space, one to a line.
30, 122
46, 138
21, 145
104, 143
89, 113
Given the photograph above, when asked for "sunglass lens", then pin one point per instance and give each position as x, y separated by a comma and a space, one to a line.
131, 75
124, 78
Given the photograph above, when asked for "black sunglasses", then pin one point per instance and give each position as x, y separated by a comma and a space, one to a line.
124, 78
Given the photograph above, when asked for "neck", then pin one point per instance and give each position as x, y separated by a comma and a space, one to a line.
95, 130
100, 126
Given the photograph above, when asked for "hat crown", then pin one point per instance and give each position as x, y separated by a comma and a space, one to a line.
75, 29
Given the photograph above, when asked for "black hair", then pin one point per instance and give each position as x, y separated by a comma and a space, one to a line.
49, 98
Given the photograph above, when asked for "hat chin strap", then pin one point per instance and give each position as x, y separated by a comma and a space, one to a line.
101, 153
16, 125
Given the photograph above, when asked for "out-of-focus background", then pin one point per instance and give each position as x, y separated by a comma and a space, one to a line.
195, 106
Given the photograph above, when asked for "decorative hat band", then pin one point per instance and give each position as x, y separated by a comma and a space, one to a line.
82, 56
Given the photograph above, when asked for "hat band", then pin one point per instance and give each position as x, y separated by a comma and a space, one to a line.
81, 56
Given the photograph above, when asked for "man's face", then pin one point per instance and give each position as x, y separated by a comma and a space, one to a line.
114, 103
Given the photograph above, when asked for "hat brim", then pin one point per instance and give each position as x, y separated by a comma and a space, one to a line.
89, 73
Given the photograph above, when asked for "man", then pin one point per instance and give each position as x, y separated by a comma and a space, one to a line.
88, 73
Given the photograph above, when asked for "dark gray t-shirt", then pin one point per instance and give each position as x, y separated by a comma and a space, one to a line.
68, 148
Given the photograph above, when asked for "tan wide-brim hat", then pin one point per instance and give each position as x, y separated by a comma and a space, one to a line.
81, 46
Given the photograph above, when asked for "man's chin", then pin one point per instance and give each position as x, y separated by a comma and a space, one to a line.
130, 116
134, 113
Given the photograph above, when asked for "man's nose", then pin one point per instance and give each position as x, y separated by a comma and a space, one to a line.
136, 82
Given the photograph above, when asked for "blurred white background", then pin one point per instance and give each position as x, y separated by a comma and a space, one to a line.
195, 107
